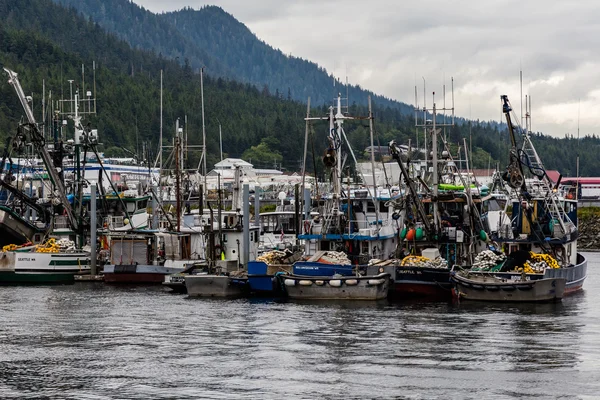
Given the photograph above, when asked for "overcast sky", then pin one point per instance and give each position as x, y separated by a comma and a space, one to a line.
388, 46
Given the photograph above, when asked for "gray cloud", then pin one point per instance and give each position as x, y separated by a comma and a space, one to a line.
387, 46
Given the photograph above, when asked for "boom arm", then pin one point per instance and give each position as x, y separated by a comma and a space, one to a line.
411, 186
514, 172
38, 142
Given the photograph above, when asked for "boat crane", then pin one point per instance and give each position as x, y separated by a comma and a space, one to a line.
395, 150
37, 139
515, 177
5, 182
514, 171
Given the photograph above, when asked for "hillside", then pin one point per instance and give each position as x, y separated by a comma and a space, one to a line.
128, 84
213, 38
43, 41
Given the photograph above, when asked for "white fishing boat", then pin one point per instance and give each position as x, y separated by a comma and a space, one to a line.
37, 265
54, 261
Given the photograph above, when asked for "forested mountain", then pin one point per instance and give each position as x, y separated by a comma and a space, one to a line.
45, 42
213, 38
128, 84
144, 30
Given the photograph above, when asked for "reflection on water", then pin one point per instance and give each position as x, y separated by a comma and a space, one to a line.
91, 341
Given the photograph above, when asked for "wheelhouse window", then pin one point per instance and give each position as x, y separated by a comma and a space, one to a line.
370, 206
142, 204
382, 207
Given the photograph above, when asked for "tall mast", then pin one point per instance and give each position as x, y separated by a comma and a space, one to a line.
44, 108
372, 166
221, 140
434, 129
306, 130
160, 140
203, 132
177, 174
577, 166
521, 88
434, 160
339, 120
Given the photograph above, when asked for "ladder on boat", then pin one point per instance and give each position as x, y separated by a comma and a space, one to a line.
552, 204
331, 219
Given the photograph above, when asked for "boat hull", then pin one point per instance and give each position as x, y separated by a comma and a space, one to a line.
575, 275
336, 288
175, 282
131, 274
490, 288
262, 278
411, 282
42, 278
215, 286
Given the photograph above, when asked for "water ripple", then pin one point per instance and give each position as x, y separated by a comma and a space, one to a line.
94, 341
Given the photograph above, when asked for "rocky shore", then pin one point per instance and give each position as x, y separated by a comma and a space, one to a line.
589, 228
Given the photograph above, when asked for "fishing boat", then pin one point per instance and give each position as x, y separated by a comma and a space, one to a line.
176, 281
146, 256
213, 285
55, 261
354, 221
538, 236
489, 287
440, 219
541, 233
49, 263
336, 287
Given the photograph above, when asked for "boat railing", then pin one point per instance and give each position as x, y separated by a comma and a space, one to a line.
61, 222
352, 227
113, 222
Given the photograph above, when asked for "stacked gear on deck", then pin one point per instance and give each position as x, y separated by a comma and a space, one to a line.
538, 264
54, 246
10, 247
488, 260
334, 257
273, 257
424, 262
49, 247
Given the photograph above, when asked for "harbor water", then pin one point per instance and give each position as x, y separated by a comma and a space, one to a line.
96, 341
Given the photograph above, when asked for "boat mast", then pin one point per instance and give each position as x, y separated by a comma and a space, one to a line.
434, 160
306, 130
204, 189
434, 129
335, 124
178, 173
372, 167
160, 140
577, 166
